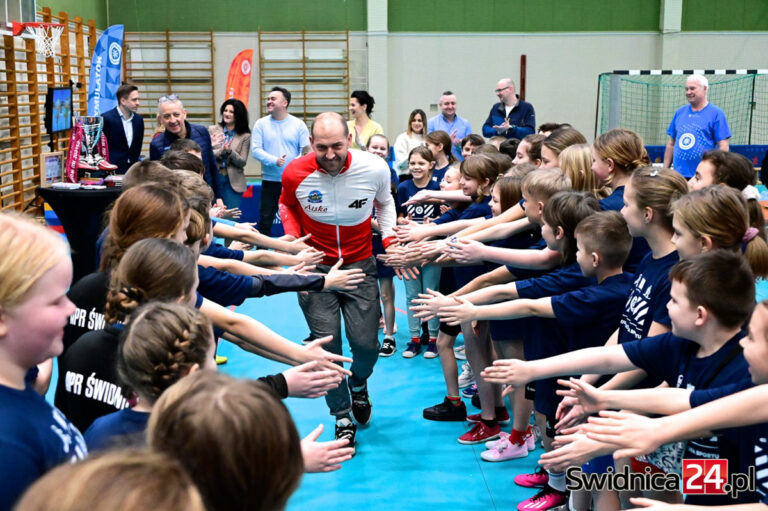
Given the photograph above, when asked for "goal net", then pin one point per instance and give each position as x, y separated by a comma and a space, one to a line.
645, 101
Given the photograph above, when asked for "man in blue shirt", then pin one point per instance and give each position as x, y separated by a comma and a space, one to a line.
276, 140
511, 117
695, 128
457, 127
173, 117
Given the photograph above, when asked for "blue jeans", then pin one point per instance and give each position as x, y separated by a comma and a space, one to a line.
429, 278
230, 197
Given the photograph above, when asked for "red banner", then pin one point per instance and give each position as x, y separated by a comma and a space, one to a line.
239, 78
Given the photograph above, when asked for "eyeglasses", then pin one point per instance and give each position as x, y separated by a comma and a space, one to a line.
501, 90
166, 99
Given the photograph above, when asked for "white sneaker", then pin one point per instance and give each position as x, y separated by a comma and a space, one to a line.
467, 376
460, 352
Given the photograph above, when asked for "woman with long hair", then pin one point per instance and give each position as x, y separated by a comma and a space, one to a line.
231, 140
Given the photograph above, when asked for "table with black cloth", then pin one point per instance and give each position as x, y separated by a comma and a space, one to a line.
81, 213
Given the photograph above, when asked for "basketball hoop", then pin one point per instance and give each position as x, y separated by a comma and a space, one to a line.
46, 35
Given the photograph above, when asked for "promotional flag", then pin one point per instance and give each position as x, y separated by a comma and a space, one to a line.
239, 78
106, 67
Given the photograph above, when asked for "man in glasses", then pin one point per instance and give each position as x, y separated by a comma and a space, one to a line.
511, 117
173, 118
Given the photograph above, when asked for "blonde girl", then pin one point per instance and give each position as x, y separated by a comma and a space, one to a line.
35, 273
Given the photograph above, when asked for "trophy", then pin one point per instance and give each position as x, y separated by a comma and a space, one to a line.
90, 159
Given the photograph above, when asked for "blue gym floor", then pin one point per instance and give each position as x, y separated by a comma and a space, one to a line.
403, 462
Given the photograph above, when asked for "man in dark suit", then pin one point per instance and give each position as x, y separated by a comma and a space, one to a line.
124, 128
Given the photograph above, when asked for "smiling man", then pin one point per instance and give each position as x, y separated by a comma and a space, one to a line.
696, 128
331, 193
173, 118
448, 121
511, 117
276, 140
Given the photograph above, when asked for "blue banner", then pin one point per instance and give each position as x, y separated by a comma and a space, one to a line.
106, 66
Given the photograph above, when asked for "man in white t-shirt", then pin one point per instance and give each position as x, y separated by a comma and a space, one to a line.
276, 140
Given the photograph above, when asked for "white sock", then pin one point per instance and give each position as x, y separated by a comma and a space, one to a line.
344, 421
557, 480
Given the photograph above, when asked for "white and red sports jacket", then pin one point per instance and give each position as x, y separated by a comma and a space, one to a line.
337, 210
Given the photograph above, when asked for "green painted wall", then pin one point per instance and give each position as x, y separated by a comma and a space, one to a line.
523, 15
415, 15
727, 15
95, 10
238, 15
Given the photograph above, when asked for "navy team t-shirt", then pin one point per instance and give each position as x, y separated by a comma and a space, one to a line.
416, 212
34, 438
648, 299
674, 360
590, 315
640, 248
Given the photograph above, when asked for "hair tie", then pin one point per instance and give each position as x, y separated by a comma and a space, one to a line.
132, 293
751, 192
748, 236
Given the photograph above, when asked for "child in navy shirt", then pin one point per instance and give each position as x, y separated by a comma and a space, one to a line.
157, 332
420, 163
701, 352
742, 411
36, 272
580, 318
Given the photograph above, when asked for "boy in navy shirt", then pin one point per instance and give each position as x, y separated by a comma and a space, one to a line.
579, 318
701, 352
635, 434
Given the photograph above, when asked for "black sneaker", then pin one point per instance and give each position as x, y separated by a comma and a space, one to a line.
388, 347
361, 405
446, 411
346, 430
476, 400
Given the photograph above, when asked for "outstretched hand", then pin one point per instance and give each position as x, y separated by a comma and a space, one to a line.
343, 280
325, 359
324, 456
307, 381
573, 449
465, 251
427, 305
458, 312
513, 372
634, 434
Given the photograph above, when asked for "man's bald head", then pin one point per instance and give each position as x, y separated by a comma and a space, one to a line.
330, 140
329, 121
505, 91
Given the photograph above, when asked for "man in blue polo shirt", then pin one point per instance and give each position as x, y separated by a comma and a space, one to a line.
457, 127
695, 128
511, 117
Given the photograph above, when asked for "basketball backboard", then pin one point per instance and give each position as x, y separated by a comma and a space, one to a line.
16, 10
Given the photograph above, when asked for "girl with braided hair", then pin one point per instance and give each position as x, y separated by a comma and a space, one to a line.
163, 270
163, 342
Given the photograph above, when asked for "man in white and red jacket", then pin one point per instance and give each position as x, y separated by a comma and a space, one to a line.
330, 194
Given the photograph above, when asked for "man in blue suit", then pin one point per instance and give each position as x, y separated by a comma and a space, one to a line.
124, 128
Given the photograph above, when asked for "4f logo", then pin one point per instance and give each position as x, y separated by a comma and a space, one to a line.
357, 204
